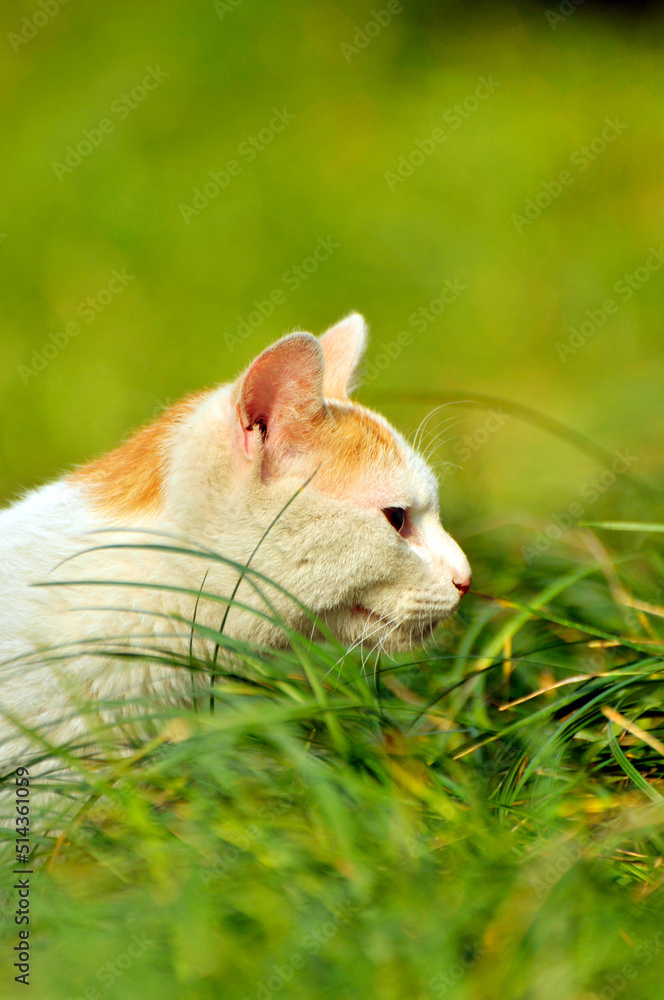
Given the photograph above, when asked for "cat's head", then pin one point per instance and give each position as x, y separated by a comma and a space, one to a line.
361, 544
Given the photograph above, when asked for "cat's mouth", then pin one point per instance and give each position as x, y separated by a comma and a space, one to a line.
359, 609
393, 635
370, 616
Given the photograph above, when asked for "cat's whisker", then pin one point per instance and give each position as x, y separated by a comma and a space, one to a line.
431, 448
433, 431
444, 425
441, 423
439, 441
426, 419
380, 644
354, 645
383, 638
434, 459
364, 657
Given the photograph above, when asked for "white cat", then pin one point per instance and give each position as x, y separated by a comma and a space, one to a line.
361, 545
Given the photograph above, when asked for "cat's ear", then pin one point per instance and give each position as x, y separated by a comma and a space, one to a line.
343, 346
280, 394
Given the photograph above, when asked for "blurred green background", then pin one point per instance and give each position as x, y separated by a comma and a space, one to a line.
218, 73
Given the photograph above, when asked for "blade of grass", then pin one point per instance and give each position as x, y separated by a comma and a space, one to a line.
629, 768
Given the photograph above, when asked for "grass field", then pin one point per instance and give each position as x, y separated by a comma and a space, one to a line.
483, 819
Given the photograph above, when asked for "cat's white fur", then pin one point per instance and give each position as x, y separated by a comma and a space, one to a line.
216, 471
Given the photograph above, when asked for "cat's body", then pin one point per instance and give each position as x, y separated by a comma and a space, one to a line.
215, 471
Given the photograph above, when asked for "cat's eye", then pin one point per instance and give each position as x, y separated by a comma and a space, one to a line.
396, 516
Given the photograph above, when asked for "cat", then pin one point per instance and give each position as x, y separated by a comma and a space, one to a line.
354, 534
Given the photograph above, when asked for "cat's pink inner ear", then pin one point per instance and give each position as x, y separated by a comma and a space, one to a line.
343, 346
281, 390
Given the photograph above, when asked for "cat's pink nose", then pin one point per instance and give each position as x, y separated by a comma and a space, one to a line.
463, 585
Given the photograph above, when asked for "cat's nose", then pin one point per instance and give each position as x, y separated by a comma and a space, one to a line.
454, 564
463, 584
